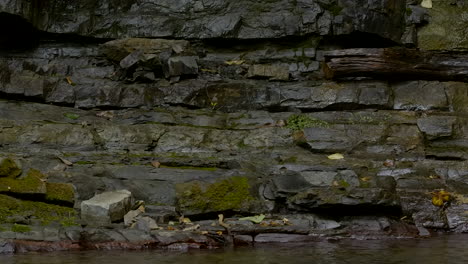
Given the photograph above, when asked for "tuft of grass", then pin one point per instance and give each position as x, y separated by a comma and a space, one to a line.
20, 228
299, 122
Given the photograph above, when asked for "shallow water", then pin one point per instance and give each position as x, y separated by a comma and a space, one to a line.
440, 250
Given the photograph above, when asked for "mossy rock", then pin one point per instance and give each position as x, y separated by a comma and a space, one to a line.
33, 183
9, 168
299, 122
20, 228
60, 193
447, 28
232, 194
12, 208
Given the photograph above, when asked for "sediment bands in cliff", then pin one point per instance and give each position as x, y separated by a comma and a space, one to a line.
200, 108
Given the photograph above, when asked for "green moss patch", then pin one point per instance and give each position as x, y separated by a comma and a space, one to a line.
229, 194
190, 168
31, 184
60, 193
45, 213
9, 168
20, 228
299, 122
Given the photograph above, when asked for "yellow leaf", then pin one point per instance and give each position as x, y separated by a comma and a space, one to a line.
441, 197
209, 70
69, 81
234, 62
364, 179
336, 156
219, 232
256, 219
186, 220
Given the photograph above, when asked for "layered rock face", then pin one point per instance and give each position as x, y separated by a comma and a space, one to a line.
235, 107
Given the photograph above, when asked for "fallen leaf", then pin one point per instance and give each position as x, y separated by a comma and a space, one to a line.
171, 223
66, 162
191, 228
286, 221
440, 197
209, 70
255, 219
71, 116
234, 62
274, 224
336, 156
365, 179
155, 164
204, 232
171, 228
106, 114
221, 221
219, 233
389, 163
184, 220
69, 81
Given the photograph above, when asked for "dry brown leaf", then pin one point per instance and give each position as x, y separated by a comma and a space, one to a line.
69, 81
191, 228
64, 161
336, 156
234, 62
155, 164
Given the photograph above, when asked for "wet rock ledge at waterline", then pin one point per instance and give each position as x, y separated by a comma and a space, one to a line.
137, 124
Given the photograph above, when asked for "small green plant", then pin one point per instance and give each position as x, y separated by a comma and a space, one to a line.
20, 228
71, 116
299, 122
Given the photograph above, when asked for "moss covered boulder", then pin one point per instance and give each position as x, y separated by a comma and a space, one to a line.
9, 168
447, 28
13, 210
232, 194
60, 193
32, 184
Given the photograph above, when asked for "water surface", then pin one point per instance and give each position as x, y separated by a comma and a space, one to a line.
440, 250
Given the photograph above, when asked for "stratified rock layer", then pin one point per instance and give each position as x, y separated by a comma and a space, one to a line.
324, 115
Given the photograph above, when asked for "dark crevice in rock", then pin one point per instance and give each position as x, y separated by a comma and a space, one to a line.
338, 211
23, 98
186, 106
16, 33
253, 44
345, 107
445, 158
356, 40
213, 215
47, 37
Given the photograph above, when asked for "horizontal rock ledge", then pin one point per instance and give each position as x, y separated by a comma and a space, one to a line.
392, 63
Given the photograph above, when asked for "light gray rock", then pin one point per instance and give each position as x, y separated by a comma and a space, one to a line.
131, 217
6, 247
435, 127
182, 65
146, 223
105, 208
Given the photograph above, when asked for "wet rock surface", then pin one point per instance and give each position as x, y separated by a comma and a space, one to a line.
207, 108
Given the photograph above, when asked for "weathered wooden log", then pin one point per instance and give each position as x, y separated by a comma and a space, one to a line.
396, 64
